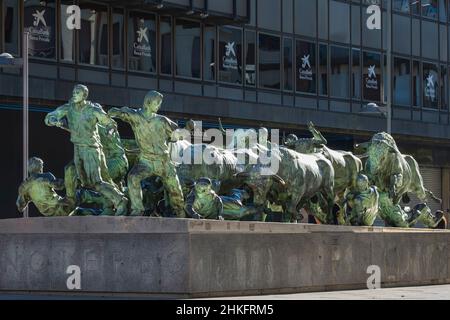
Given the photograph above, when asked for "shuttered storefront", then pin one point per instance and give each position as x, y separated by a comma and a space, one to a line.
432, 179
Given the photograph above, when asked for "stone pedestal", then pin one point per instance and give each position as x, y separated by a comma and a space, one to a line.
188, 258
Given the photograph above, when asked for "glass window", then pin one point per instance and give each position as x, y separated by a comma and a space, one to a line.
430, 8
356, 25
306, 17
188, 48
443, 10
67, 40
415, 7
230, 55
340, 22
402, 82
401, 34
323, 69
372, 76
444, 88
166, 44
142, 41
430, 40
340, 72
11, 26
118, 39
269, 61
40, 22
401, 5
93, 34
250, 58
323, 19
417, 80
306, 66
430, 84
209, 47
356, 74
288, 64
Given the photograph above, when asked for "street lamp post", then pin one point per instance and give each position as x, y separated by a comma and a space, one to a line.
25, 125
389, 67
8, 61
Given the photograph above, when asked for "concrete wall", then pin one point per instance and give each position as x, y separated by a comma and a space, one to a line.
185, 258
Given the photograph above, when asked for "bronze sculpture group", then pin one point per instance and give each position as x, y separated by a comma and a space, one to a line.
114, 176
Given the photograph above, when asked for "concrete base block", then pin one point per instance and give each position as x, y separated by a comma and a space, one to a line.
188, 258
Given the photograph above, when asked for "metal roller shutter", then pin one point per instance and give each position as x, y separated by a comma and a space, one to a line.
432, 179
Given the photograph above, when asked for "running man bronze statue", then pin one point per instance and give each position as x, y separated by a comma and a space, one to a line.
82, 119
153, 134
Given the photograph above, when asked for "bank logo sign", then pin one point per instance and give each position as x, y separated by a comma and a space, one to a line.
141, 47
142, 35
230, 60
40, 23
372, 80
39, 18
39, 31
430, 88
306, 72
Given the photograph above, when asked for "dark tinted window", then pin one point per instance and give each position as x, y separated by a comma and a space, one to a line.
372, 76
269, 61
166, 44
230, 55
288, 64
323, 69
11, 26
40, 22
340, 71
118, 39
306, 66
187, 45
94, 34
142, 42
356, 74
250, 58
402, 82
417, 84
209, 52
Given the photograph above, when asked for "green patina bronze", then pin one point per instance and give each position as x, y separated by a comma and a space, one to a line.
153, 134
395, 175
41, 189
203, 202
82, 119
346, 165
333, 186
362, 203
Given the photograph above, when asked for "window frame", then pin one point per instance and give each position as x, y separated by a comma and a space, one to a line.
128, 39
258, 75
176, 76
243, 56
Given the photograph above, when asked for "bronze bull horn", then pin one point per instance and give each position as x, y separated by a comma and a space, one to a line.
242, 175
221, 128
278, 179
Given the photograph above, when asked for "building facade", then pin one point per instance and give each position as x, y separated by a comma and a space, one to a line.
276, 63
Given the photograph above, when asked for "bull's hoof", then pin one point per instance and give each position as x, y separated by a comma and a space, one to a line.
441, 221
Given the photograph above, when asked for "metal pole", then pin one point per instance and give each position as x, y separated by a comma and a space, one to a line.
25, 71
389, 67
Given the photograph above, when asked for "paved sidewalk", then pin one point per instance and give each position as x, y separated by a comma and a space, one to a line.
409, 293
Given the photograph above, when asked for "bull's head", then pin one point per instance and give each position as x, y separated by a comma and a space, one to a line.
379, 150
259, 184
